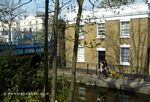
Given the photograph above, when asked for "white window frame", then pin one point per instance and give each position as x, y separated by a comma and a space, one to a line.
125, 35
124, 46
81, 55
81, 32
101, 49
101, 29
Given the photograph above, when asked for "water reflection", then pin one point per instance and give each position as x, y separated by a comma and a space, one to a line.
95, 94
123, 98
82, 93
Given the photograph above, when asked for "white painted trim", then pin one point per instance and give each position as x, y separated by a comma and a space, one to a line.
125, 63
127, 17
100, 20
81, 45
124, 37
81, 31
115, 18
82, 37
96, 29
100, 36
82, 23
124, 45
101, 49
81, 60
71, 22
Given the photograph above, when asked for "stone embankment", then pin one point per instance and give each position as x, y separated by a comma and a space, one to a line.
137, 85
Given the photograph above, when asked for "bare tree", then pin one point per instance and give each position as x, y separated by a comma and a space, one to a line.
46, 53
54, 75
75, 50
139, 46
9, 10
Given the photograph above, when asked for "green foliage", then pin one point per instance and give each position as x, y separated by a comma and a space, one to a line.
17, 76
39, 37
22, 83
62, 90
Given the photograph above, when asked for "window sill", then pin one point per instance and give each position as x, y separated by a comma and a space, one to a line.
124, 36
125, 63
103, 37
80, 61
81, 37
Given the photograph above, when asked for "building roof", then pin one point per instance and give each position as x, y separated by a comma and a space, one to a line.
133, 11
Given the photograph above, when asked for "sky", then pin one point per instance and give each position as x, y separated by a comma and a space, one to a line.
39, 5
33, 6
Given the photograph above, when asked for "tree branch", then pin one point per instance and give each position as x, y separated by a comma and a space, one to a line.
22, 4
65, 4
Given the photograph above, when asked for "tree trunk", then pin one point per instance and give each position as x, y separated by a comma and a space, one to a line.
54, 74
75, 50
9, 39
9, 33
46, 53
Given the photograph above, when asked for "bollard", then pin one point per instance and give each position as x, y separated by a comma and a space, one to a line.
87, 71
96, 69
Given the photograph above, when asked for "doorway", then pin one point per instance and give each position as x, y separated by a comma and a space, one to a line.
101, 57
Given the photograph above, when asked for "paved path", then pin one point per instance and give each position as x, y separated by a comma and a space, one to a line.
138, 85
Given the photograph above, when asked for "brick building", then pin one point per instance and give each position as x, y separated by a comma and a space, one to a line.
121, 36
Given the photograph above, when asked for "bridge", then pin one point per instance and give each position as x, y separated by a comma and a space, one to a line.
23, 48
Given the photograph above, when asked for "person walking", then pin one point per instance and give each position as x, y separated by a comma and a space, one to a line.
105, 69
100, 69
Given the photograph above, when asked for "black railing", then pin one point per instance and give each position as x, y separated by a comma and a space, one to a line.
126, 71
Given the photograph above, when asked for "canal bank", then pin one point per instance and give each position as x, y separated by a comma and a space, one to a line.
137, 85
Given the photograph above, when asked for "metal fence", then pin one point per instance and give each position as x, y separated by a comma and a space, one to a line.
126, 71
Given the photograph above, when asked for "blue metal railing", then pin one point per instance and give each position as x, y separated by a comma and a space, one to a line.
23, 48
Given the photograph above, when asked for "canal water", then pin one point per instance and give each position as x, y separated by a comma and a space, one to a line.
96, 94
